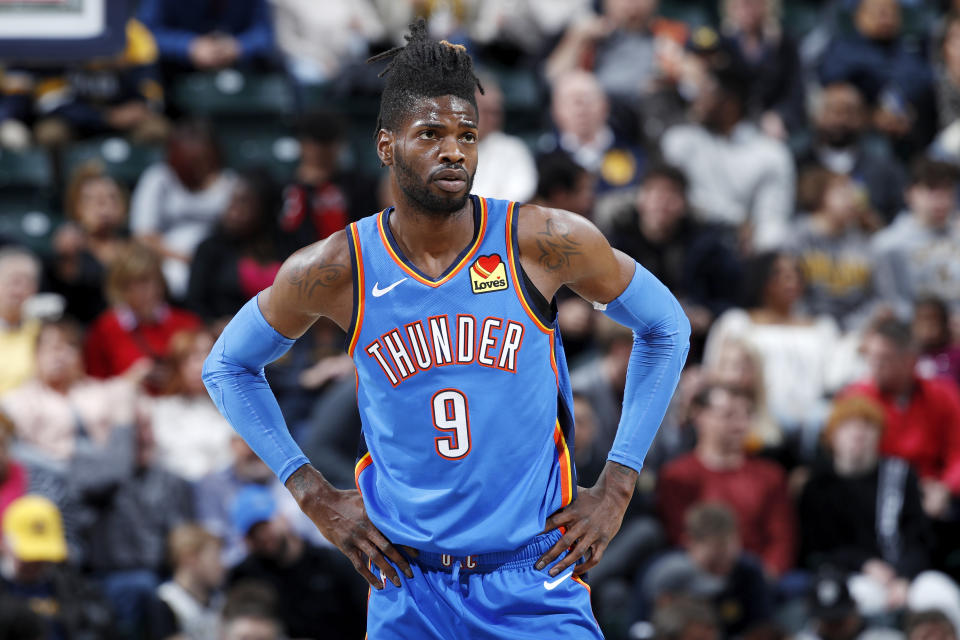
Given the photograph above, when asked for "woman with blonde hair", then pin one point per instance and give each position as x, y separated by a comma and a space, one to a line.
139, 324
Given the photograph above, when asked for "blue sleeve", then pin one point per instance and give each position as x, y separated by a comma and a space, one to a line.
257, 41
661, 340
173, 44
233, 375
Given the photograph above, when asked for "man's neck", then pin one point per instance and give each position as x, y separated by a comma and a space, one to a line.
431, 241
716, 458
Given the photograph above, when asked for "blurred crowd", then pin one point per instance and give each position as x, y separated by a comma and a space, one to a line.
789, 168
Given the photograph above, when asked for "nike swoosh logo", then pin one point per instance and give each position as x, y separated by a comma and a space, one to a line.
550, 586
377, 291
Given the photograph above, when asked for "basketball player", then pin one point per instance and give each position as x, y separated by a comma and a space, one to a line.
465, 482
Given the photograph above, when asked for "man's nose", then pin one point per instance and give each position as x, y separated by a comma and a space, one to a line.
450, 152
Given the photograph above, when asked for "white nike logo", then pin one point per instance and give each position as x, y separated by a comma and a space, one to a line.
550, 586
377, 291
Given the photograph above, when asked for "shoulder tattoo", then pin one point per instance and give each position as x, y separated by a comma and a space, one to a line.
556, 246
306, 278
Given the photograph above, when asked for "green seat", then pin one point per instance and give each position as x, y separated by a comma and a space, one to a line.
523, 97
276, 151
230, 93
799, 18
695, 14
28, 221
123, 160
25, 170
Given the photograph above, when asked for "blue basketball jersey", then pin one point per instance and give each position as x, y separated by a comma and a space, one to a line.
467, 443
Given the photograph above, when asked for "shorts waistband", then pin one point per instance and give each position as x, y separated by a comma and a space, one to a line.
520, 558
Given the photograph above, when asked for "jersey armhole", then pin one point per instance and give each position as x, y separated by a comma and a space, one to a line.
546, 312
356, 268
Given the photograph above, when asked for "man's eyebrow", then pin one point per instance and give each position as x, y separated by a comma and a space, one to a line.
468, 123
428, 123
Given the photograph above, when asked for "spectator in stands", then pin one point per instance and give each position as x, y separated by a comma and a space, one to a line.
685, 619
713, 554
83, 247
215, 492
324, 197
776, 95
117, 95
177, 202
863, 513
740, 366
917, 253
13, 475
317, 44
193, 439
508, 30
19, 279
35, 572
719, 470
206, 34
833, 249
801, 361
939, 356
895, 80
687, 256
922, 416
739, 177
250, 613
192, 594
564, 184
505, 168
832, 613
16, 109
62, 408
139, 325
313, 583
626, 30
948, 74
839, 145
579, 109
929, 625
242, 256
135, 505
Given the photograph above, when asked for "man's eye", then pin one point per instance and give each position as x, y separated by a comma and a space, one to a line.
427, 135
470, 137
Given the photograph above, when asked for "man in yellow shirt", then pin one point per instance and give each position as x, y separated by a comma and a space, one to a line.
19, 279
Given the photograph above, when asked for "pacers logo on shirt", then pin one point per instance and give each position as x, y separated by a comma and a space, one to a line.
488, 274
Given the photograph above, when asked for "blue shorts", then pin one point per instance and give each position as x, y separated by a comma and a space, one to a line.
489, 596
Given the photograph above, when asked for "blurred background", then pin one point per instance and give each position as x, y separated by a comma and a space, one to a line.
789, 168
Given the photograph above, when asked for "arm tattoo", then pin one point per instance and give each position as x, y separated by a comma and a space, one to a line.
307, 278
556, 247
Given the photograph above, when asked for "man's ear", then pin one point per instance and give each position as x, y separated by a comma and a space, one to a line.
385, 147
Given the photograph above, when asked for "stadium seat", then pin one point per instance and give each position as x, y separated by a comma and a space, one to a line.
523, 97
695, 14
123, 160
28, 220
25, 170
232, 94
275, 150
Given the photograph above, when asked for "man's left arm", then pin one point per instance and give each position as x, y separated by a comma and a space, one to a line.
560, 248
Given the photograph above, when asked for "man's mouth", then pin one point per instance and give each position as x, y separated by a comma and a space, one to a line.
452, 180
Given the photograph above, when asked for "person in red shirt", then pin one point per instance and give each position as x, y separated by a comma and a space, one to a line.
719, 470
923, 416
139, 324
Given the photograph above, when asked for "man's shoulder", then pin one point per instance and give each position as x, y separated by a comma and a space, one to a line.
762, 468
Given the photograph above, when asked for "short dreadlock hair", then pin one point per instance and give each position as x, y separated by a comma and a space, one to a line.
423, 68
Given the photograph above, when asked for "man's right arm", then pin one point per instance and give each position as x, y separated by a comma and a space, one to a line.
315, 281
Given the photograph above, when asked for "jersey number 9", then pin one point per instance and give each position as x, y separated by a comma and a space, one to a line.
451, 415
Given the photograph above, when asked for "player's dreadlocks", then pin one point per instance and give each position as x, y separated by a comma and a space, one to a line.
423, 68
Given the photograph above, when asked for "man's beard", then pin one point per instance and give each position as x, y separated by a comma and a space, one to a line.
840, 138
418, 190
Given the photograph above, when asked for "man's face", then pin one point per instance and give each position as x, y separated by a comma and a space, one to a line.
715, 554
841, 115
579, 105
631, 15
726, 419
434, 153
18, 281
878, 19
251, 628
891, 368
932, 205
661, 204
58, 358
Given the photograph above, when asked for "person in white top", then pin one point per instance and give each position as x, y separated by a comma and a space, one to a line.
738, 176
192, 594
177, 202
506, 168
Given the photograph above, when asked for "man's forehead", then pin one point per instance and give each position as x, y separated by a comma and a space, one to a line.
437, 108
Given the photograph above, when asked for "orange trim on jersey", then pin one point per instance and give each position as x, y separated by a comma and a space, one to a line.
468, 256
355, 335
517, 286
566, 467
362, 464
553, 359
581, 581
